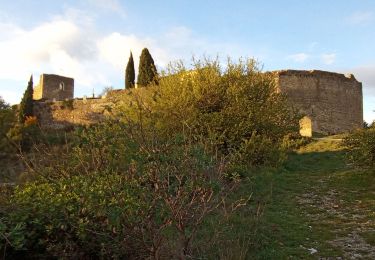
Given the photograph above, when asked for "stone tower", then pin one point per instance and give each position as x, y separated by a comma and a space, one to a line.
54, 87
331, 102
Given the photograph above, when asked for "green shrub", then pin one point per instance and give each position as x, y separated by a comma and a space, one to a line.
79, 215
294, 141
24, 136
111, 194
361, 148
221, 108
7, 120
68, 104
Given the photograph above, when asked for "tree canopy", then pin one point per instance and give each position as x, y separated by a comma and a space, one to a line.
146, 71
130, 73
26, 105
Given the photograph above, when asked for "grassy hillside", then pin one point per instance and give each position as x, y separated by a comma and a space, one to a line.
319, 207
314, 206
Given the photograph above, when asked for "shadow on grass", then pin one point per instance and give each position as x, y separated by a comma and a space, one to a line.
315, 161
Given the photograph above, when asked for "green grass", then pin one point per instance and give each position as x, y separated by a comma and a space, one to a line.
315, 201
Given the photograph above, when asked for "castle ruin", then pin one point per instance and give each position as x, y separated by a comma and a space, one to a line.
330, 102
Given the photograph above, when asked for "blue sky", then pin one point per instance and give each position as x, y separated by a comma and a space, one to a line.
90, 40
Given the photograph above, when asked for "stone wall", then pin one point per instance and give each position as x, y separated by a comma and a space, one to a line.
63, 114
54, 87
332, 101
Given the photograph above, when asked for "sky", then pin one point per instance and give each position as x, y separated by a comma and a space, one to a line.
90, 40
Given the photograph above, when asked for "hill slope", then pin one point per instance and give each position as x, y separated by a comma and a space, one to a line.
321, 207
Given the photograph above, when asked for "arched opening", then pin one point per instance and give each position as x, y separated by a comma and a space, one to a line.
62, 86
305, 126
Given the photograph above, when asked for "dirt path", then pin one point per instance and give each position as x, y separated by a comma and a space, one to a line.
341, 203
322, 207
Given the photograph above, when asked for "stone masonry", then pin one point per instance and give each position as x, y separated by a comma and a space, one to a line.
332, 101
54, 87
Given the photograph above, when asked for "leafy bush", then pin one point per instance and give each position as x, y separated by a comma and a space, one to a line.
361, 148
7, 119
113, 195
24, 136
295, 141
222, 108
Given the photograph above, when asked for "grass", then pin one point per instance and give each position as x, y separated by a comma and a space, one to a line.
315, 203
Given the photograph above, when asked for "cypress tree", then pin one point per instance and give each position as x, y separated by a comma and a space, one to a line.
26, 105
146, 71
130, 73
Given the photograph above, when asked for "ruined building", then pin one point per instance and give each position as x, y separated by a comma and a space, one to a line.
54, 87
330, 102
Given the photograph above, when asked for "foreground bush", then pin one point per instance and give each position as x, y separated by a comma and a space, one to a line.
114, 195
361, 148
141, 184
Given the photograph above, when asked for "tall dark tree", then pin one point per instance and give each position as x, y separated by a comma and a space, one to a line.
130, 73
146, 71
26, 106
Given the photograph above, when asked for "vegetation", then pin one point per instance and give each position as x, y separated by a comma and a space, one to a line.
147, 73
106, 90
130, 73
194, 166
234, 111
361, 147
127, 198
7, 151
6, 120
316, 206
145, 183
68, 104
26, 105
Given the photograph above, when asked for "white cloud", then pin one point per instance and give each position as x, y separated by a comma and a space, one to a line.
365, 74
361, 18
328, 58
298, 57
57, 46
11, 96
62, 46
70, 45
115, 48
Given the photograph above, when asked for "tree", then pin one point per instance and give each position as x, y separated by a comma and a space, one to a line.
130, 73
106, 90
6, 118
146, 71
360, 148
26, 106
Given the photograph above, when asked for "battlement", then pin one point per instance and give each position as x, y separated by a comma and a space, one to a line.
315, 73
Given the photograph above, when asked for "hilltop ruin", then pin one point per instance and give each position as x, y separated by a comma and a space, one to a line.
331, 102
